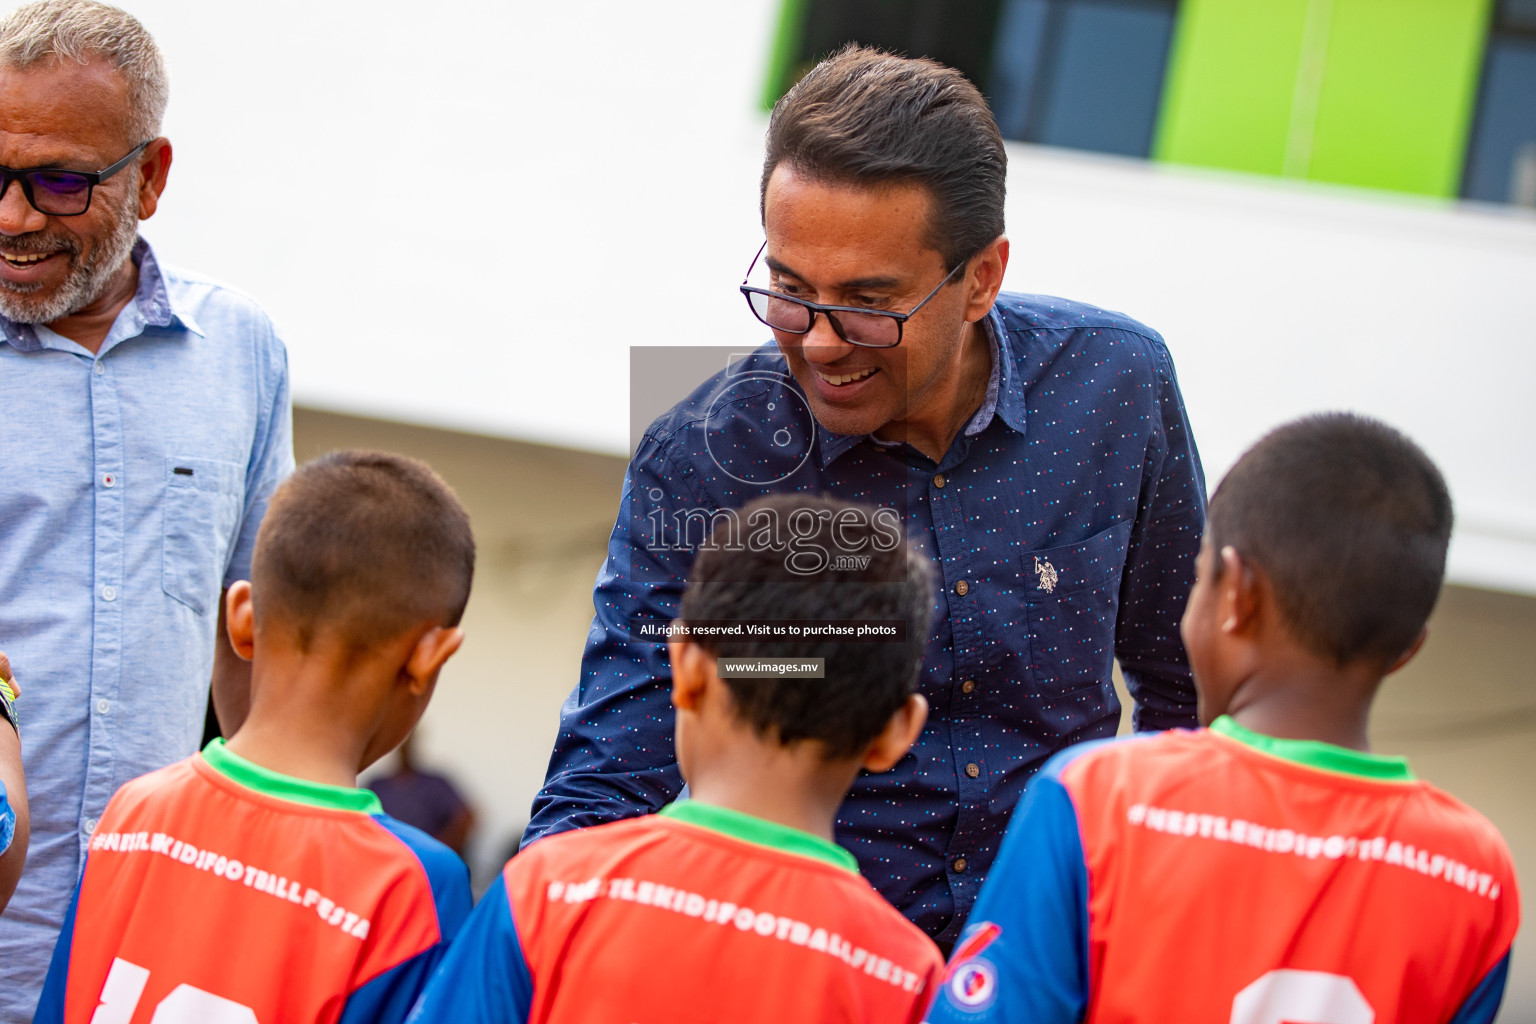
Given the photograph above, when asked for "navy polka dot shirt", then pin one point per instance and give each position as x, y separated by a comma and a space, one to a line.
1062, 522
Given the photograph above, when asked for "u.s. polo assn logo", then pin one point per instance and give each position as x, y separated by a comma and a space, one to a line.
1047, 573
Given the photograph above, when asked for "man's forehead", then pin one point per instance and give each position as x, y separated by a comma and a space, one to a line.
854, 230
64, 104
790, 183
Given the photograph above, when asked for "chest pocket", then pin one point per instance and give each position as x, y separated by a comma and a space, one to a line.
201, 508
1072, 598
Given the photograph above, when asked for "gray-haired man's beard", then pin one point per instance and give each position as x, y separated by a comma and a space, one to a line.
87, 279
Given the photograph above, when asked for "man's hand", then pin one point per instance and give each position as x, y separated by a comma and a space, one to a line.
231, 678
13, 799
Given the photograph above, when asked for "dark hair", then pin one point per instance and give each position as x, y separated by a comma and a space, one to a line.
865, 117
1350, 520
865, 682
365, 544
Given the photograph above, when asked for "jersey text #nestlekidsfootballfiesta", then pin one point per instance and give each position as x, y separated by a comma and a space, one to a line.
1224, 876
218, 892
695, 915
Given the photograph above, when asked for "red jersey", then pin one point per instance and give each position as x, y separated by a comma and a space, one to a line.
697, 914
1220, 876
220, 892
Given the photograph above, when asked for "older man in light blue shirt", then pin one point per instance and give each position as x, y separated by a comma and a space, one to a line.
146, 421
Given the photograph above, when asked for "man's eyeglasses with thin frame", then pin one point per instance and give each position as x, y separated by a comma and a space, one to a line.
59, 192
867, 328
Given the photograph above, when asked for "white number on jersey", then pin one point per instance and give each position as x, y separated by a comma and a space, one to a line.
185, 1004
1301, 997
120, 995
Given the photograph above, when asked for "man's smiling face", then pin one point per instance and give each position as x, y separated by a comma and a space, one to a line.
849, 245
73, 116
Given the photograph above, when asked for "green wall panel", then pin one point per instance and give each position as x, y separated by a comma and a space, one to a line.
786, 43
1398, 93
1231, 82
1376, 93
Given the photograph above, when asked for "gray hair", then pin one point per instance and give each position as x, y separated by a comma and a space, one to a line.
78, 30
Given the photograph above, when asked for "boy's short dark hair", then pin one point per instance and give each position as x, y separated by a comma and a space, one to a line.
865, 682
365, 544
1350, 520
868, 118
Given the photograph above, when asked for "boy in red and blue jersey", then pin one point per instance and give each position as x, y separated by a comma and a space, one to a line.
736, 904
255, 881
1268, 868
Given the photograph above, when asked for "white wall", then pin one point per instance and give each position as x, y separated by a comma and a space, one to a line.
450, 207
1278, 299
453, 210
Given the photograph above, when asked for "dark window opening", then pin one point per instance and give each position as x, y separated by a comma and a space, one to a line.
954, 32
1086, 74
1501, 152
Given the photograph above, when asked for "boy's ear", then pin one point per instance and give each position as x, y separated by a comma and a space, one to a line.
240, 619
1407, 656
1239, 595
692, 669
900, 732
432, 650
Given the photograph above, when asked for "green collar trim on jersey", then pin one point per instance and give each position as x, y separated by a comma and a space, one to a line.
285, 787
1315, 754
763, 833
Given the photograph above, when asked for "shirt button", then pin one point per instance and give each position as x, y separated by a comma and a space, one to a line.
938, 481
103, 706
90, 825
109, 593
962, 588
968, 686
108, 480
971, 769
959, 865
100, 369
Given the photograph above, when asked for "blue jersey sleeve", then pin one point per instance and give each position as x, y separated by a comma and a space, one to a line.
50, 1005
1023, 957
387, 998
446, 872
7, 820
1483, 1004
484, 979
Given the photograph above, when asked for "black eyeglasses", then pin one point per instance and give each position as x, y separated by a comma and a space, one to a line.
869, 328
61, 193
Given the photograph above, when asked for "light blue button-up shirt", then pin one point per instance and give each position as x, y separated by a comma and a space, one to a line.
132, 483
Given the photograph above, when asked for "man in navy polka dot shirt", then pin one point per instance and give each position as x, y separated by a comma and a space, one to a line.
1036, 449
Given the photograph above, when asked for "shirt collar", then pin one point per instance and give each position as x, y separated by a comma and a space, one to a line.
152, 306
1002, 400
760, 831
154, 298
286, 787
1316, 754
